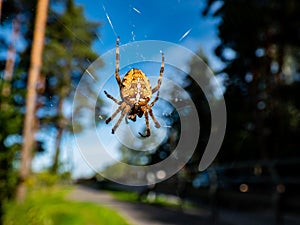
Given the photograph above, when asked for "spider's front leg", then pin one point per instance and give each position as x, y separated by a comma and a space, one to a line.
112, 98
162, 68
117, 75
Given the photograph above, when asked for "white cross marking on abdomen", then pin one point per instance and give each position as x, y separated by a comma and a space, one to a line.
138, 95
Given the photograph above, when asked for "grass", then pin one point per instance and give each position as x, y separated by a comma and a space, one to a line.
152, 198
125, 195
48, 206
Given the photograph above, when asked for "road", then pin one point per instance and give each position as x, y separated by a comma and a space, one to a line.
142, 214
145, 214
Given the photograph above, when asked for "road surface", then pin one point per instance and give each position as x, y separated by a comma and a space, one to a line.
142, 214
145, 214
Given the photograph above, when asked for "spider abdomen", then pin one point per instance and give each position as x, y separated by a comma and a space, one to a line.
136, 88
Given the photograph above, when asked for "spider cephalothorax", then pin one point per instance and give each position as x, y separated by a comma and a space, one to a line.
136, 92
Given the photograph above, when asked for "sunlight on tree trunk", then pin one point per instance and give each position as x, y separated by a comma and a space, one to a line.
34, 70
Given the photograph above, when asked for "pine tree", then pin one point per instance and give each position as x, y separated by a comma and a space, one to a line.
67, 54
261, 53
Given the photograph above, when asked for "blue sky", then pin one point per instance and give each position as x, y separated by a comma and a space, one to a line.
169, 20
175, 21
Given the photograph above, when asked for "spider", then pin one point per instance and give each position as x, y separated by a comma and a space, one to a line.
136, 92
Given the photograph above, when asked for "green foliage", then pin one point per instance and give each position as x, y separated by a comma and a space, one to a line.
201, 103
261, 55
49, 206
126, 196
10, 126
68, 52
46, 179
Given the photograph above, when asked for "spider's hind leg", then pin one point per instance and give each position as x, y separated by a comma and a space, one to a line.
157, 125
124, 112
121, 107
147, 126
126, 120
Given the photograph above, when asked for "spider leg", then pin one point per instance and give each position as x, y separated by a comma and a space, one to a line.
147, 125
127, 117
157, 125
118, 63
124, 112
156, 98
121, 107
156, 88
112, 98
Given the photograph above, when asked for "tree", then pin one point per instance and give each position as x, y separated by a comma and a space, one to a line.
11, 121
261, 54
34, 71
67, 54
201, 103
11, 56
11, 95
0, 8
12, 105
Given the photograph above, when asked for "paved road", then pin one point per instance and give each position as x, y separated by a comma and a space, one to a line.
143, 214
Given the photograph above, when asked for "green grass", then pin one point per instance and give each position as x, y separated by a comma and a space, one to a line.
48, 206
161, 200
125, 196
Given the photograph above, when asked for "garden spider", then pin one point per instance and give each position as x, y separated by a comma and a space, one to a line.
136, 92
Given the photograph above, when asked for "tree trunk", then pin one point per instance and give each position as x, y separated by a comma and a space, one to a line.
60, 128
34, 70
1, 3
11, 56
55, 165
